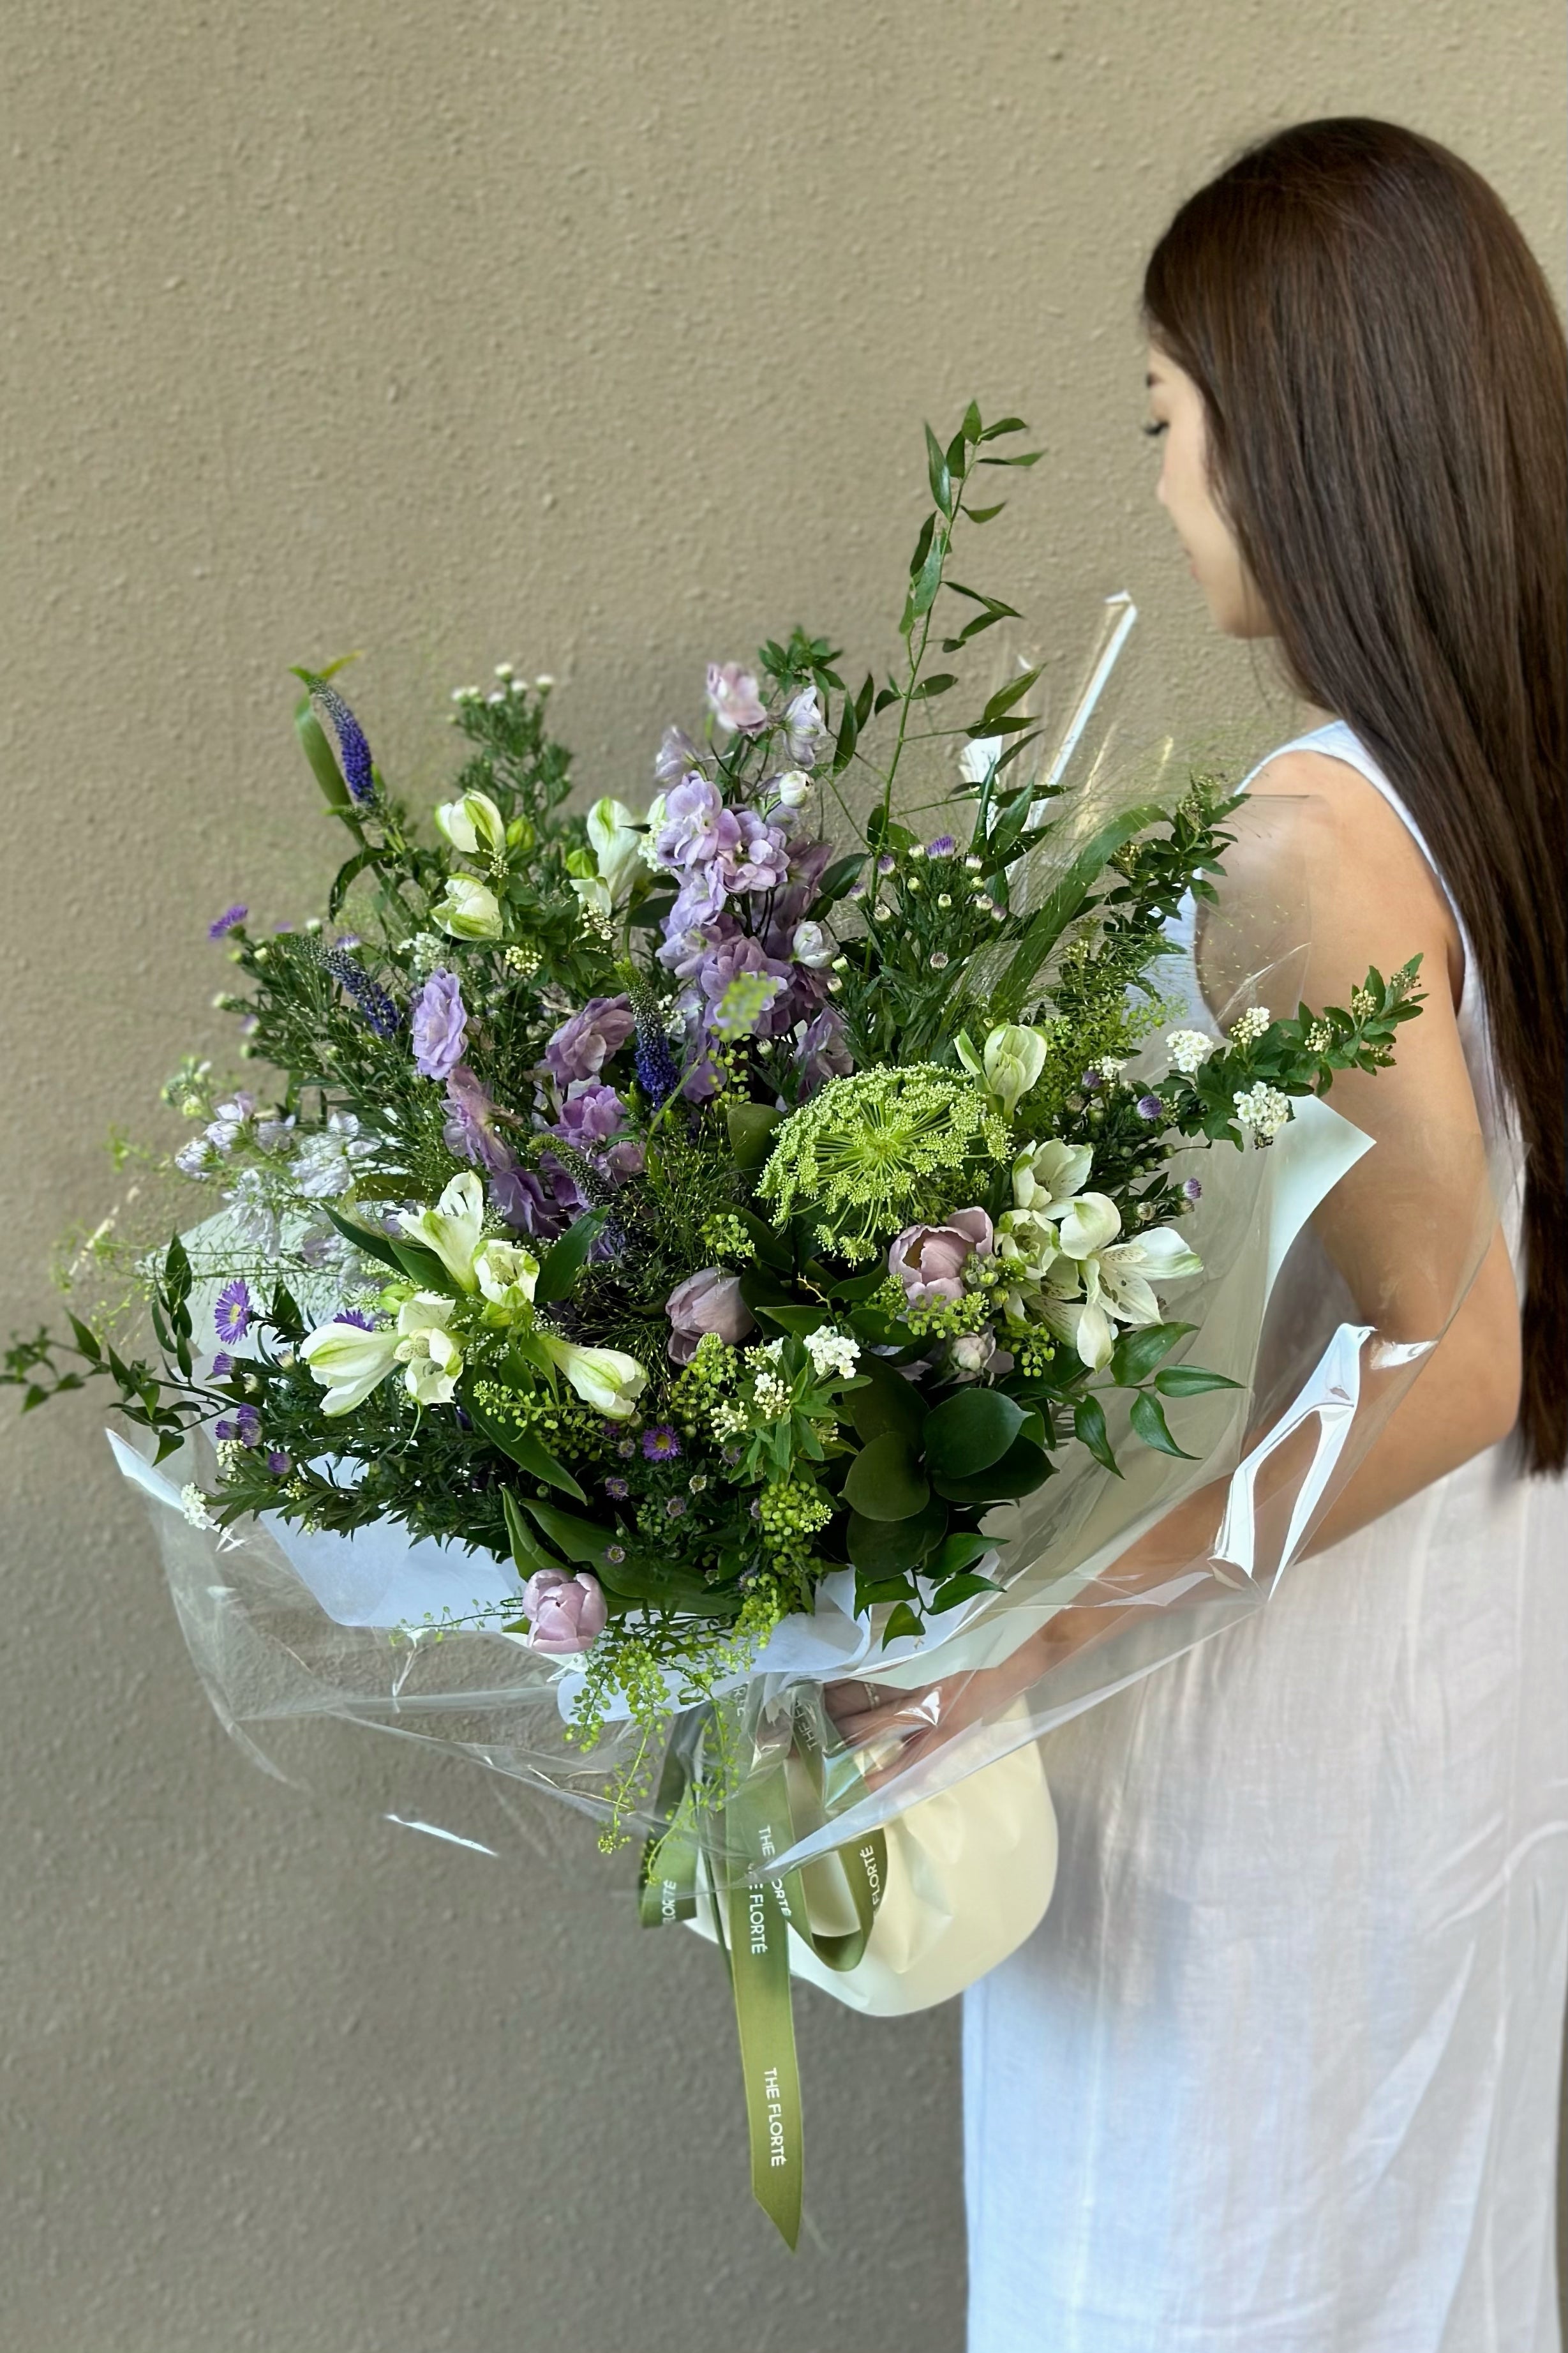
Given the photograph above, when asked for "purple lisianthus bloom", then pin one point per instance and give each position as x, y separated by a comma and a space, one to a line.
523, 1199
232, 1314
438, 1026
805, 730
676, 754
581, 1046
697, 825
229, 921
734, 699
760, 861
470, 1129
660, 1443
590, 1114
626, 1158
708, 1300
353, 749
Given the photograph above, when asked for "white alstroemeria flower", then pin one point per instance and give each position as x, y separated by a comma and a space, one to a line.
1048, 1178
349, 1362
470, 910
594, 895
1117, 1277
616, 840
654, 824
1009, 1063
473, 824
430, 1357
603, 1378
453, 1228
505, 1273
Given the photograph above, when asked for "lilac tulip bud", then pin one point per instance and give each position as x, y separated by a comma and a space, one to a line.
929, 1261
708, 1300
564, 1613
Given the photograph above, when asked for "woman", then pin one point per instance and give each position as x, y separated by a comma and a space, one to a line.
1278, 2071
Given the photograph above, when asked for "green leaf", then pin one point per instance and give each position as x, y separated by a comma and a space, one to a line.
902, 1621
885, 1481
1136, 1353
565, 1260
751, 1127
1006, 697
864, 699
961, 1588
344, 879
888, 1402
969, 1432
580, 1540
869, 1590
985, 515
1005, 424
1149, 1422
85, 1340
1089, 1423
770, 1247
1190, 1380
938, 683
847, 737
923, 549
1022, 1469
374, 1246
958, 1553
928, 580
838, 878
971, 426
322, 759
526, 1549
884, 1548
522, 1448
936, 469
799, 1319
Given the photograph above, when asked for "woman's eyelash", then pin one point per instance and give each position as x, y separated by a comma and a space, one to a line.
1155, 431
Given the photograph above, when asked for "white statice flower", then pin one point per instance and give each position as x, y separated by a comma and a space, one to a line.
1250, 1026
193, 1504
324, 1167
1264, 1110
832, 1352
1189, 1050
454, 1228
430, 1356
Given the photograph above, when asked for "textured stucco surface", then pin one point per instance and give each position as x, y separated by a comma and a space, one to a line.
599, 337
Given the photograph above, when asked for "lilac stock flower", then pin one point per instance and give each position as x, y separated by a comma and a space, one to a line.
353, 749
708, 1300
581, 1046
805, 731
734, 699
697, 825
740, 955
229, 921
660, 1443
677, 754
471, 1125
376, 1008
233, 1311
823, 1054
760, 861
700, 900
438, 1023
590, 1114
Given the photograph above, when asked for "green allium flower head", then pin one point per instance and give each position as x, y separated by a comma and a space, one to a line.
884, 1149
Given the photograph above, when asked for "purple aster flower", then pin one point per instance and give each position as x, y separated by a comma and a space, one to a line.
233, 1311
660, 1443
581, 1046
1091, 1082
438, 1023
248, 1425
1149, 1107
229, 921
618, 1489
224, 1432
352, 750
943, 847
375, 1007
278, 1463
1192, 1190
356, 1316
222, 1365
734, 699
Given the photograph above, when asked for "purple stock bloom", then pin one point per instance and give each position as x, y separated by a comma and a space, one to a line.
438, 1024
943, 847
660, 1444
376, 1008
1192, 1190
471, 1125
697, 825
232, 1314
677, 754
581, 1046
353, 749
740, 955
590, 1114
734, 699
760, 861
229, 921
805, 730
278, 1463
1149, 1107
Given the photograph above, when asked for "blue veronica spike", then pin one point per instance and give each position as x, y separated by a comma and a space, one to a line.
352, 748
377, 1008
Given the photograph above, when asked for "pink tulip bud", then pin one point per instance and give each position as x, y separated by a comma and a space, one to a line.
929, 1261
564, 1613
708, 1300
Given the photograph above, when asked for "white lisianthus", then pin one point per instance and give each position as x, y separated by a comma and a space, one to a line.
469, 911
473, 824
812, 947
603, 1378
1189, 1050
349, 1362
454, 1228
431, 1358
616, 840
505, 1273
1116, 1279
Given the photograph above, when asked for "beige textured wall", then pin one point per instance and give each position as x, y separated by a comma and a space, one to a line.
599, 336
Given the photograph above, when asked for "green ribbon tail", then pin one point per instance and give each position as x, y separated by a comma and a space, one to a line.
758, 1922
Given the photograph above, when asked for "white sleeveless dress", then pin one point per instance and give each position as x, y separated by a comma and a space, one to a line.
1278, 2071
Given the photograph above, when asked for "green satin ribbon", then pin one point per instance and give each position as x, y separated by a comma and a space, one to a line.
800, 1777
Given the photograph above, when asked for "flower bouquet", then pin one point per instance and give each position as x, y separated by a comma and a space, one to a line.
682, 1256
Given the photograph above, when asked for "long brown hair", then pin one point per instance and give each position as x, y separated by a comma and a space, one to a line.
1385, 381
